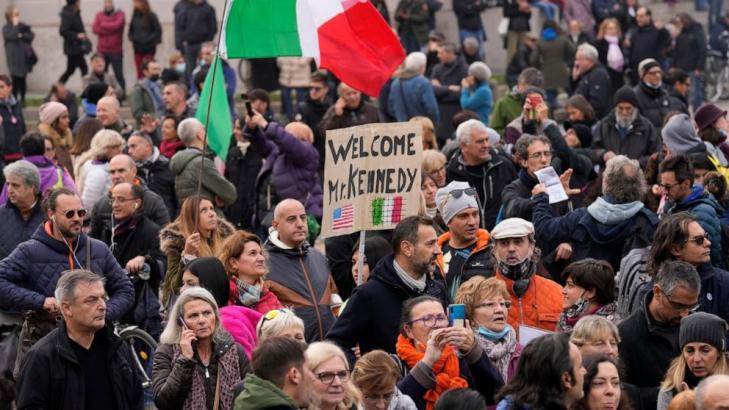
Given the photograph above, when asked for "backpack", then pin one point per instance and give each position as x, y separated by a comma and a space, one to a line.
630, 279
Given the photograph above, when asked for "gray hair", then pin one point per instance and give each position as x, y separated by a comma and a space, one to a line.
531, 77
188, 129
480, 71
69, 281
470, 42
704, 385
588, 51
463, 132
623, 180
673, 274
173, 330
521, 148
25, 170
415, 61
284, 320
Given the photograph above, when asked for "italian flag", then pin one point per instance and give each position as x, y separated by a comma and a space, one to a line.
347, 37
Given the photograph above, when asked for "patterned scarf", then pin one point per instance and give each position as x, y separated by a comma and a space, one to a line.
230, 376
499, 351
248, 295
447, 371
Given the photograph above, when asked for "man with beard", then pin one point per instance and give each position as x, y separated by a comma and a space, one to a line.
624, 132
652, 99
536, 301
649, 336
371, 318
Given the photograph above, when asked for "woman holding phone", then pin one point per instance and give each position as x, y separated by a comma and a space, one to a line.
197, 363
439, 357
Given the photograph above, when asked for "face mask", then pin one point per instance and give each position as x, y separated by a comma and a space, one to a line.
723, 132
652, 86
180, 67
154, 78
493, 336
202, 62
578, 308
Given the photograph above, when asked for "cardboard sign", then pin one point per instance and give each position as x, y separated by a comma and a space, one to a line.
371, 177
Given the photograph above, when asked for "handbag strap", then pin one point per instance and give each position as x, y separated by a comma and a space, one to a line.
216, 402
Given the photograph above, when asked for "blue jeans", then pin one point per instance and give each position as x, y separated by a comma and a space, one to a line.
696, 95
550, 10
700, 5
286, 105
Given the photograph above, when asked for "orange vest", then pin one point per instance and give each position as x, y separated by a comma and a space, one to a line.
540, 306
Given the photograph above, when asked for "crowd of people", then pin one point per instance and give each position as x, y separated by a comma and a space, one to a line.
614, 298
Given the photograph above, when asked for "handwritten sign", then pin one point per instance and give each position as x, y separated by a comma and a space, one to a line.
371, 177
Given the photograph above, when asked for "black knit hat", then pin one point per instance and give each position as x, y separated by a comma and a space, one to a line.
94, 92
702, 327
626, 94
583, 132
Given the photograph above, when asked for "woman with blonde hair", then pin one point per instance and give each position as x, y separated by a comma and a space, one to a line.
245, 263
280, 322
197, 364
332, 383
703, 353
376, 375
196, 232
429, 140
608, 40
92, 168
487, 304
434, 163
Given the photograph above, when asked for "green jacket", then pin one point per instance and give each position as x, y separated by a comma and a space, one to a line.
141, 102
259, 394
417, 21
185, 166
506, 109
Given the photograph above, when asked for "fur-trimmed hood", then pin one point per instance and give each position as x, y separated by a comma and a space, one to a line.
171, 239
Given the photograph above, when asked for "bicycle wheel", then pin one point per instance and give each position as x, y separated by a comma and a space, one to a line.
142, 346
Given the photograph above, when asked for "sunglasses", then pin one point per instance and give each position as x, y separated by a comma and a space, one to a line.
272, 314
71, 212
698, 240
457, 193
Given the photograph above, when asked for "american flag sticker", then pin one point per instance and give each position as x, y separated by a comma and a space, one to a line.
343, 217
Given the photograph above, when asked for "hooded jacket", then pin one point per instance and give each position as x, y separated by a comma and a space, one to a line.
640, 142
51, 175
689, 51
29, 274
71, 26
300, 278
489, 178
51, 377
15, 229
411, 94
654, 103
371, 318
601, 231
185, 166
311, 112
477, 263
505, 110
706, 210
260, 394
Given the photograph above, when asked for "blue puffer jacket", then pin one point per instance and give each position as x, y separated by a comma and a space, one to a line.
15, 229
30, 273
706, 210
412, 95
480, 100
295, 165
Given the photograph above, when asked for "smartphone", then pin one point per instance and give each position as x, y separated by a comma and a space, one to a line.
182, 322
457, 315
247, 103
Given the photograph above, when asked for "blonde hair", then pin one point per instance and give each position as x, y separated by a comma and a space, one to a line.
603, 27
589, 327
676, 373
318, 353
286, 319
174, 56
478, 288
432, 160
375, 372
173, 330
429, 139
97, 150
686, 400
188, 212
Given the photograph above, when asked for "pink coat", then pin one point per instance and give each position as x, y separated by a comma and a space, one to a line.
268, 300
110, 29
241, 323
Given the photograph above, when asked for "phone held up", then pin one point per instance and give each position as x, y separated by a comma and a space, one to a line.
457, 315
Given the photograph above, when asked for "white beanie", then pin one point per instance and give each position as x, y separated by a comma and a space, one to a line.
449, 205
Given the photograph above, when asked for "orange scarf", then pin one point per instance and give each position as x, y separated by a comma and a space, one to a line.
446, 370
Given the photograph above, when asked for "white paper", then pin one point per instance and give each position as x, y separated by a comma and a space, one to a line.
528, 333
548, 176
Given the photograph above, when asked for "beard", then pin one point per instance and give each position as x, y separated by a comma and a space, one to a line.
625, 121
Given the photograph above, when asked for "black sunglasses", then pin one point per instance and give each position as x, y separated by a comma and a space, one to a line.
457, 193
698, 240
69, 214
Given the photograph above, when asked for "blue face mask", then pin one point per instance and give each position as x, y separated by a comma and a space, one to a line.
181, 67
493, 336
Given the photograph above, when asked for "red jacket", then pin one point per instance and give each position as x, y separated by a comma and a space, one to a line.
542, 303
110, 29
268, 300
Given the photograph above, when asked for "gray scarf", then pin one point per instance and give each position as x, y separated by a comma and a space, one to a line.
415, 284
499, 352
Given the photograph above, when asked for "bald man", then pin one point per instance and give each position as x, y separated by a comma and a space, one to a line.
298, 274
107, 111
123, 169
713, 393
349, 110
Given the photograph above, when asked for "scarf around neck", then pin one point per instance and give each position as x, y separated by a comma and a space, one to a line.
248, 295
447, 370
415, 284
499, 351
614, 55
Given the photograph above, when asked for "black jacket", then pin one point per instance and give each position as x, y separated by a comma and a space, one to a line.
468, 13
641, 141
655, 103
16, 230
51, 377
518, 20
154, 209
145, 33
595, 86
198, 23
71, 26
371, 318
646, 42
689, 51
311, 113
449, 102
159, 179
241, 170
647, 349
489, 179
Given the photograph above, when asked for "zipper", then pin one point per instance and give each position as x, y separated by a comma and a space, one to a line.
521, 312
313, 295
207, 373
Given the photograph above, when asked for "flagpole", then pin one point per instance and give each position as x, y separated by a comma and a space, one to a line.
207, 112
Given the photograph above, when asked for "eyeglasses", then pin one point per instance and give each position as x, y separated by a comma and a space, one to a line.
430, 320
680, 307
655, 72
506, 304
375, 398
315, 88
457, 193
537, 155
698, 240
328, 377
69, 214
121, 200
667, 187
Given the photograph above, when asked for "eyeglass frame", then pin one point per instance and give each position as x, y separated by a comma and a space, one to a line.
120, 200
69, 213
698, 239
538, 155
680, 307
427, 318
343, 376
